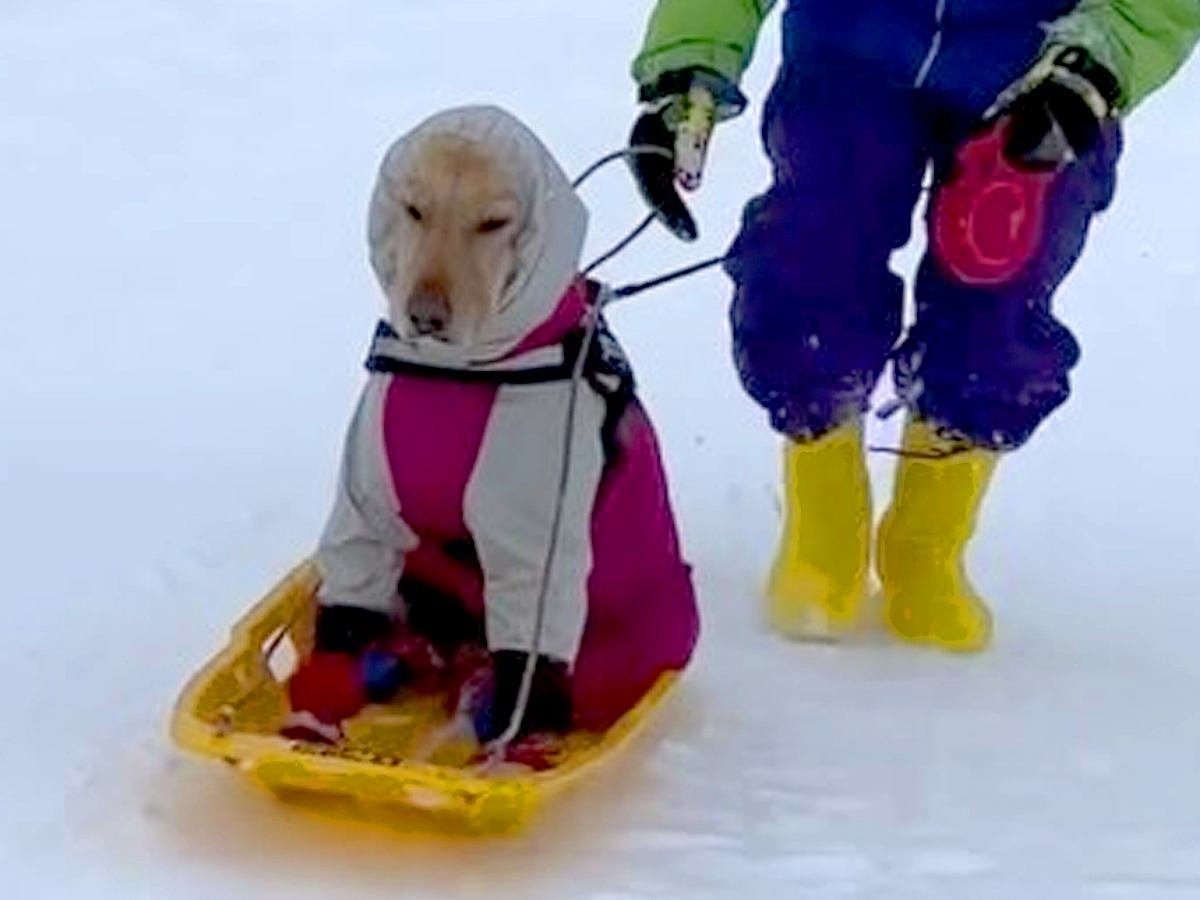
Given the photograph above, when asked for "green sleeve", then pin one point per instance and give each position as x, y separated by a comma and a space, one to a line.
709, 34
1142, 42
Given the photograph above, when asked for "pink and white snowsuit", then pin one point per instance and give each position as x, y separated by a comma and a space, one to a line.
451, 468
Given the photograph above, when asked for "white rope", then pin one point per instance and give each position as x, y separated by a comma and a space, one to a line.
499, 745
564, 475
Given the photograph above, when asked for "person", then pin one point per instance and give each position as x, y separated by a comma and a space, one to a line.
1016, 105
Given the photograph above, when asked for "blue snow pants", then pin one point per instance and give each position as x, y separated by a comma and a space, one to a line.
817, 313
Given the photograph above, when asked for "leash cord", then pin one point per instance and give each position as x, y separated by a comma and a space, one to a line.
620, 246
948, 453
624, 153
635, 288
520, 707
564, 474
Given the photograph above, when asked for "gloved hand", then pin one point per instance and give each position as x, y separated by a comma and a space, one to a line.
361, 656
680, 111
327, 689
1056, 108
488, 696
349, 629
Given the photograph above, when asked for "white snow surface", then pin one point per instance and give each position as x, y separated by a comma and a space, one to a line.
184, 304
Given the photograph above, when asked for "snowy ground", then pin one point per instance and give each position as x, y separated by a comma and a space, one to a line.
183, 305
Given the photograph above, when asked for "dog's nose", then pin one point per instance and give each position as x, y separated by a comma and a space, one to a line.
428, 311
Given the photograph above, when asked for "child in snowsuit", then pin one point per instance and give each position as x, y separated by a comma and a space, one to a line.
869, 94
434, 558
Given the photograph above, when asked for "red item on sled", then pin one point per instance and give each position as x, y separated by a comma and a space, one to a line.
329, 686
989, 217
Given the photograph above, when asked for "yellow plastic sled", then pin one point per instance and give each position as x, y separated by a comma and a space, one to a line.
232, 709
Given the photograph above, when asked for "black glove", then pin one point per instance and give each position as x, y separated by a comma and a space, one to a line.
349, 629
680, 111
1057, 108
549, 707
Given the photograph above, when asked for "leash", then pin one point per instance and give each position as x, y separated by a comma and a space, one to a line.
500, 744
635, 288
496, 749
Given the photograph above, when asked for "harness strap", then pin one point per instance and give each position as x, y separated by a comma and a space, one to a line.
606, 369
390, 365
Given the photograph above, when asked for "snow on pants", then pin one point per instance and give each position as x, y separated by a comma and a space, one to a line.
817, 312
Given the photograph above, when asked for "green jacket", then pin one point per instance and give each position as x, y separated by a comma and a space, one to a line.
1142, 42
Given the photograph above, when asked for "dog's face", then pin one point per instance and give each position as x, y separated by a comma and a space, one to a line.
455, 243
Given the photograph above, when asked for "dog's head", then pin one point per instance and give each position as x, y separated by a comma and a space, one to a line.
474, 231
454, 244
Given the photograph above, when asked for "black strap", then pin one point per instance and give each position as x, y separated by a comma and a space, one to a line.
538, 375
390, 365
606, 368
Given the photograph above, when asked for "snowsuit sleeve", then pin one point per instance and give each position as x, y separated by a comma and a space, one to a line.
1142, 42
509, 507
361, 551
710, 34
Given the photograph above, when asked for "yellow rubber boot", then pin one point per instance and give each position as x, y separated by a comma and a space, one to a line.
823, 562
923, 539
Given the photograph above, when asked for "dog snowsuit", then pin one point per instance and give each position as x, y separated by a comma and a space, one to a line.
870, 93
452, 463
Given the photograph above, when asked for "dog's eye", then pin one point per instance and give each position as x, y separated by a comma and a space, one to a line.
413, 213
490, 225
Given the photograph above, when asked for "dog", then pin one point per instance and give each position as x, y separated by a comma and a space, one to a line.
449, 502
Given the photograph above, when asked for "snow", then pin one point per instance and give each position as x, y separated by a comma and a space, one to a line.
185, 301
